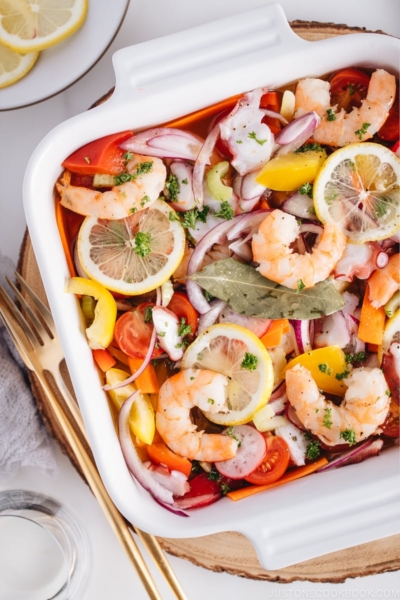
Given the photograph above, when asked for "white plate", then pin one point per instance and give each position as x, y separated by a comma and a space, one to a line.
62, 65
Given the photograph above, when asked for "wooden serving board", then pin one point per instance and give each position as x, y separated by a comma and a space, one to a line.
230, 551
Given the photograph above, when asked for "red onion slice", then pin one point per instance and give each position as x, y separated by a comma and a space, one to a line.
302, 335
164, 142
257, 325
133, 462
246, 222
197, 501
296, 133
299, 205
335, 332
356, 455
279, 399
146, 359
210, 317
274, 115
241, 249
202, 160
291, 416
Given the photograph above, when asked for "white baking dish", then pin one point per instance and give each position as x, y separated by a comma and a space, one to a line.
155, 82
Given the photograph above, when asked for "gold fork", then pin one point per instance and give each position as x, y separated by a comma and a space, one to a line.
41, 350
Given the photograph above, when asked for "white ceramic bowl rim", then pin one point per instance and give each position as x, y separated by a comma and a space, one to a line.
158, 81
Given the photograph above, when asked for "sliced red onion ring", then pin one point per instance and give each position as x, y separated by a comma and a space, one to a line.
202, 160
279, 399
299, 205
291, 416
164, 142
274, 115
296, 133
197, 501
249, 191
303, 334
133, 462
146, 359
211, 317
212, 237
257, 325
312, 228
241, 249
174, 481
246, 222
335, 332
356, 455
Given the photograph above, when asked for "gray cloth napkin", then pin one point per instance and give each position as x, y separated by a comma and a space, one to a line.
24, 441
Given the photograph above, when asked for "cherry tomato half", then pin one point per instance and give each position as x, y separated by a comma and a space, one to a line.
391, 426
348, 88
100, 156
390, 130
180, 305
396, 147
132, 333
274, 464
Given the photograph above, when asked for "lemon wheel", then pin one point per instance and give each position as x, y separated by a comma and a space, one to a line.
358, 188
32, 25
134, 255
239, 355
14, 66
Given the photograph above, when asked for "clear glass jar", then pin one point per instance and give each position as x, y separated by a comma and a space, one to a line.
44, 550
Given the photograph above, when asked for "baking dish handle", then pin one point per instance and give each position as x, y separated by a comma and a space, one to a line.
176, 60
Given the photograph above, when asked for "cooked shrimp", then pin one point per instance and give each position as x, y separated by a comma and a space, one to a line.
364, 408
178, 395
383, 283
271, 248
143, 188
341, 128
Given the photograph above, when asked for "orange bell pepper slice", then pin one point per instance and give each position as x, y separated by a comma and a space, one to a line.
104, 359
147, 382
273, 337
160, 454
372, 322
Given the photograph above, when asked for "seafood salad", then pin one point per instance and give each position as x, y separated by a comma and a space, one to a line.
239, 273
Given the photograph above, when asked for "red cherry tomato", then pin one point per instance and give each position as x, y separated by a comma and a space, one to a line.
274, 464
390, 130
132, 333
180, 305
395, 148
348, 88
270, 101
391, 426
100, 156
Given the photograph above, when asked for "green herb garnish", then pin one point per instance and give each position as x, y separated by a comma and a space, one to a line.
351, 89
313, 450
341, 376
361, 132
148, 314
233, 436
127, 156
300, 285
144, 167
225, 212
213, 475
224, 488
358, 357
349, 435
173, 216
142, 244
252, 135
133, 210
331, 115
309, 148
183, 328
325, 368
249, 362
327, 421
211, 401
191, 216
184, 181
144, 200
172, 187
306, 189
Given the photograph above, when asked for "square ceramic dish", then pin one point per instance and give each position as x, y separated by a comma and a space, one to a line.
158, 81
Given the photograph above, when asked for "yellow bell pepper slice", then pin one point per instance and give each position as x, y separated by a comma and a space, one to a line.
327, 366
289, 172
142, 417
101, 332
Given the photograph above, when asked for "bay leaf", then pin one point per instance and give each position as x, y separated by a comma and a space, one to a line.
249, 293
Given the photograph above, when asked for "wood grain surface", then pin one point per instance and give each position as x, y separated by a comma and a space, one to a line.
230, 551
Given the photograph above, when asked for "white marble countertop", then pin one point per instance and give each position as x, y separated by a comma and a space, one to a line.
20, 131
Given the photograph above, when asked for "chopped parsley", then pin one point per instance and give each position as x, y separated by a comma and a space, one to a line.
87, 160
349, 435
183, 328
331, 115
309, 148
191, 216
144, 167
306, 189
325, 368
161, 334
388, 393
225, 212
141, 169
300, 285
341, 376
133, 210
351, 89
127, 156
357, 357
249, 362
233, 436
252, 135
173, 216
172, 187
313, 450
144, 200
123, 178
239, 141
184, 181
211, 401
224, 488
327, 422
208, 296
148, 314
142, 244
196, 468
361, 132
213, 475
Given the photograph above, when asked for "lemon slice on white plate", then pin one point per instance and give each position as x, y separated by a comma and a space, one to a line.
358, 188
31, 25
134, 255
13, 66
239, 355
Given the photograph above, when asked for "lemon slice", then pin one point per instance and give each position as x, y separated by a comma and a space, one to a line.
390, 334
133, 255
13, 66
358, 188
31, 25
225, 348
